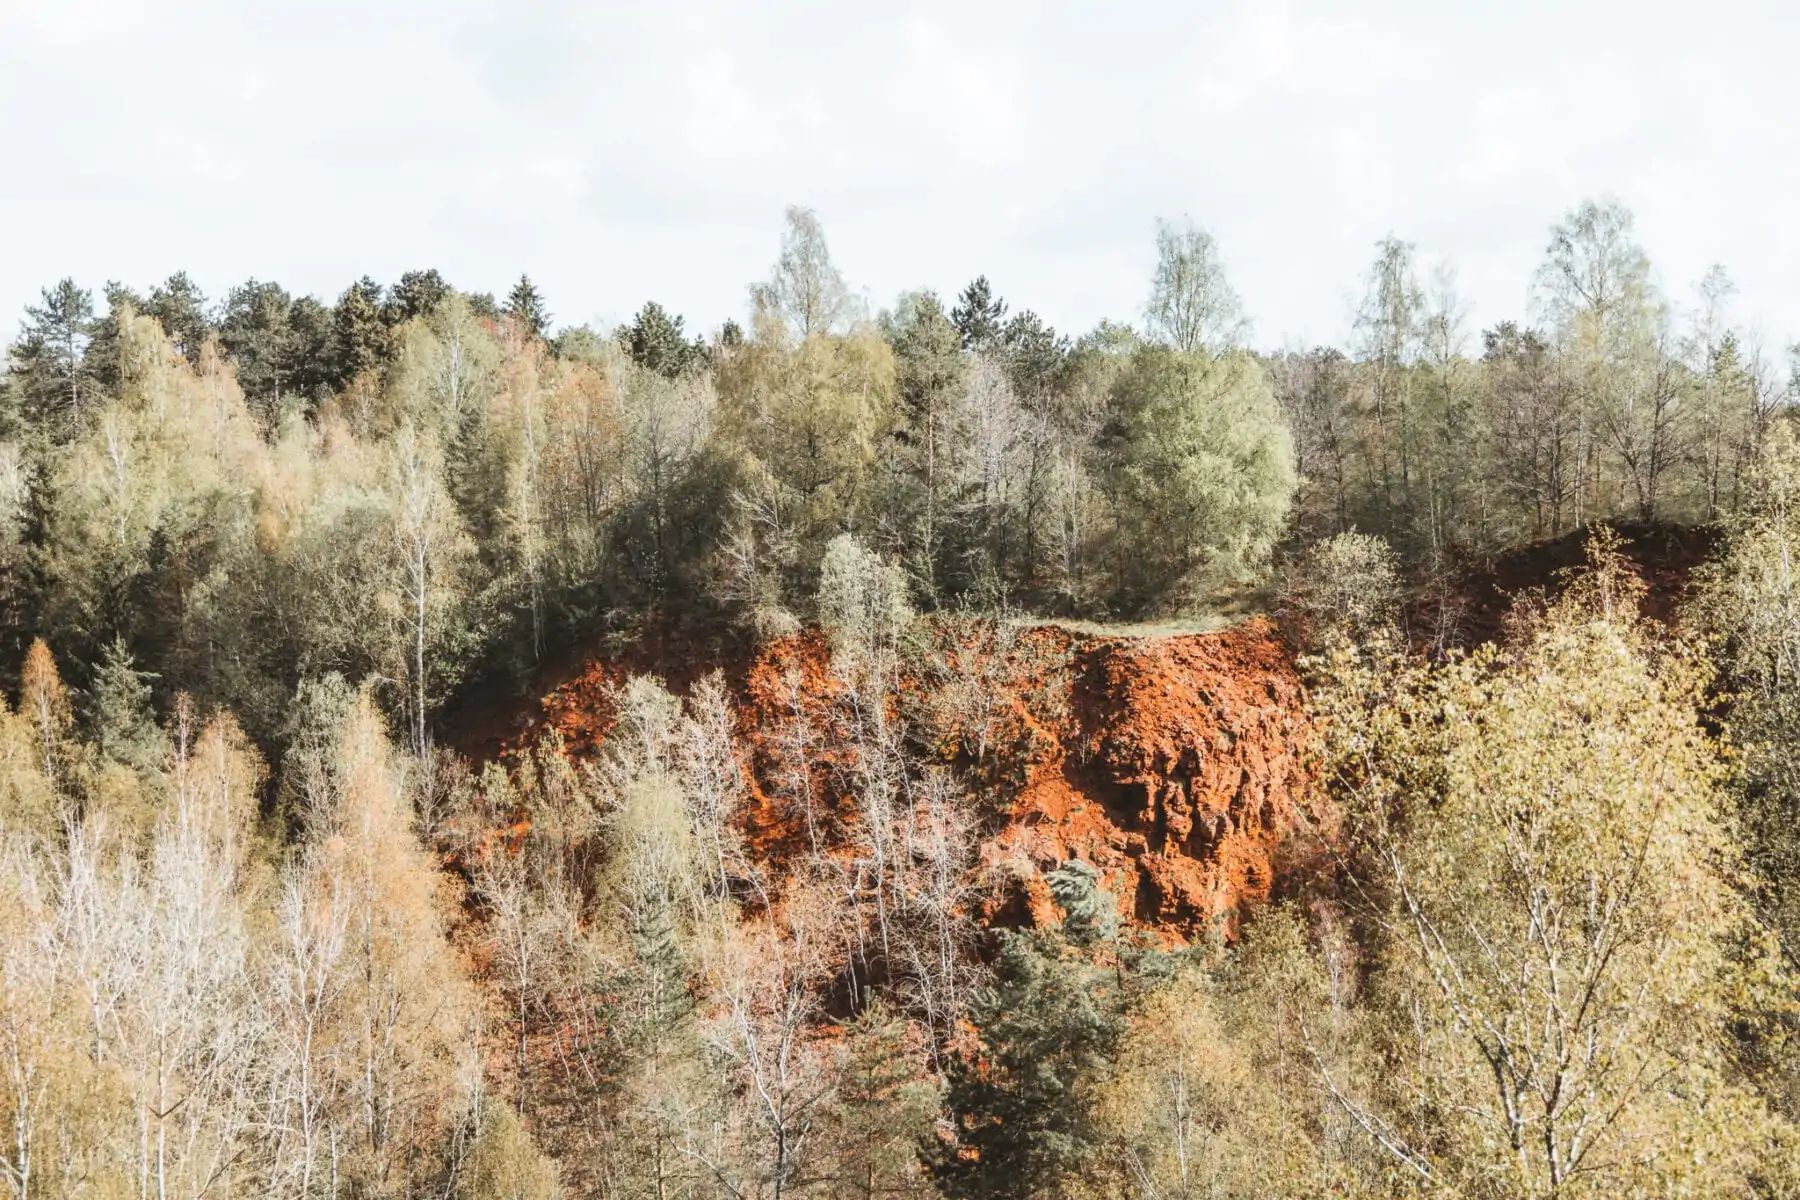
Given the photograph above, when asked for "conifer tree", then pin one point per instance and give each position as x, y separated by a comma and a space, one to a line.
360, 334
525, 304
119, 715
655, 341
416, 295
256, 330
1048, 1020
180, 306
1034, 354
1090, 914
309, 362
978, 315
885, 1109
50, 365
929, 372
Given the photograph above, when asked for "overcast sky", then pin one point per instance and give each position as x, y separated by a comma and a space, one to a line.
625, 152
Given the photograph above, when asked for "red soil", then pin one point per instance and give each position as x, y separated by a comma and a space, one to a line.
1177, 766
1179, 772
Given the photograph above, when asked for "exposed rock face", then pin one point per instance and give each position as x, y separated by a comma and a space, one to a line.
1177, 765
1182, 775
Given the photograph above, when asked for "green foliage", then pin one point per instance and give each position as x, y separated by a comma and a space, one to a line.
120, 718
360, 338
417, 294
525, 304
654, 341
978, 315
1343, 589
1543, 955
886, 1109
1090, 912
49, 367
1542, 838
1202, 467
179, 306
256, 330
1049, 1019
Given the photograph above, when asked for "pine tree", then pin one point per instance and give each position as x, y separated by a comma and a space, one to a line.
929, 371
309, 361
1035, 353
256, 330
103, 349
119, 714
416, 295
1090, 914
885, 1109
50, 364
525, 304
978, 314
180, 305
360, 335
655, 341
1048, 1021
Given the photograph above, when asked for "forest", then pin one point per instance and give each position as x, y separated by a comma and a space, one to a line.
915, 752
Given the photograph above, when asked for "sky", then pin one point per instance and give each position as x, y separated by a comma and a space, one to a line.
625, 152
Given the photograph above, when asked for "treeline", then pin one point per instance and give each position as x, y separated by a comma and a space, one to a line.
597, 483
418, 488
1616, 400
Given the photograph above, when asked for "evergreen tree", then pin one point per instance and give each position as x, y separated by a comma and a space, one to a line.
1035, 353
929, 371
525, 304
180, 306
103, 350
483, 305
655, 341
309, 361
360, 334
50, 366
885, 1109
416, 295
1090, 914
256, 330
1048, 1021
119, 715
978, 314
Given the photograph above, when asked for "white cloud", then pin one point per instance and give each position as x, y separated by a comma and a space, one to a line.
619, 151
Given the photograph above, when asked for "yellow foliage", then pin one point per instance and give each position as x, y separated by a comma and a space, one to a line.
1565, 945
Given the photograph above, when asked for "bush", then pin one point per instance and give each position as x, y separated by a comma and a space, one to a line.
862, 601
1345, 588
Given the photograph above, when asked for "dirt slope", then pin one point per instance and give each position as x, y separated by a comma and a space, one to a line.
1175, 765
